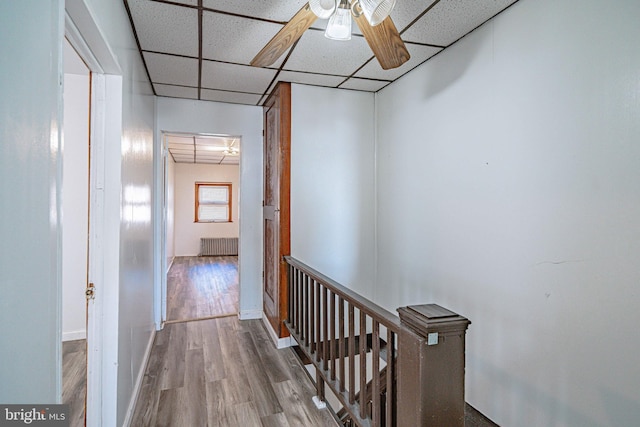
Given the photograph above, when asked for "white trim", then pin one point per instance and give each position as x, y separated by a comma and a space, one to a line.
250, 314
170, 264
72, 34
138, 385
96, 236
74, 335
278, 342
86, 27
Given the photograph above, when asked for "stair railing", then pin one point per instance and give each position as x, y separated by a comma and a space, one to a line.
384, 370
351, 341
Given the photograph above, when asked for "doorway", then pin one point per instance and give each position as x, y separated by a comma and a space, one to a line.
201, 231
75, 234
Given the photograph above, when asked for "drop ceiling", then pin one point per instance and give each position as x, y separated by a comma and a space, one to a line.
203, 149
201, 49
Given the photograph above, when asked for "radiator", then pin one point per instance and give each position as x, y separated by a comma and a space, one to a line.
218, 246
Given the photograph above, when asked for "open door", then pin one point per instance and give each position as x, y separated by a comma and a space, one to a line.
276, 211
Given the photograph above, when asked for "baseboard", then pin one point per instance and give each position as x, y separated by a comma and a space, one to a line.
250, 314
74, 335
138, 385
278, 342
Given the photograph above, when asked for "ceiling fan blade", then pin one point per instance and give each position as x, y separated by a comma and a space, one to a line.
286, 37
385, 42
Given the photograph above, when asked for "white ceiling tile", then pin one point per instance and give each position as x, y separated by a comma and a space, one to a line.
176, 139
364, 84
215, 141
310, 78
230, 97
189, 2
176, 91
203, 157
233, 39
240, 78
405, 11
166, 28
317, 54
267, 9
169, 69
418, 53
451, 19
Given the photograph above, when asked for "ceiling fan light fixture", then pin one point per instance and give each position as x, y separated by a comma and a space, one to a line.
339, 27
231, 151
322, 8
376, 11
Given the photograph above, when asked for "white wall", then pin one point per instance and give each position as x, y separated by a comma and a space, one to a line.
30, 179
170, 213
509, 191
332, 177
212, 117
75, 204
188, 232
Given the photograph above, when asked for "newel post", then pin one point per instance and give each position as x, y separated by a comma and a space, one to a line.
431, 367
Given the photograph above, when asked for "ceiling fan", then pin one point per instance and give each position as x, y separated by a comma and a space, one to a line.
371, 16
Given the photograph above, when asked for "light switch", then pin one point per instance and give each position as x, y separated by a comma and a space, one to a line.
432, 338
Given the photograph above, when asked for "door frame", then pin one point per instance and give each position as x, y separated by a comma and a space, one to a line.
84, 35
161, 191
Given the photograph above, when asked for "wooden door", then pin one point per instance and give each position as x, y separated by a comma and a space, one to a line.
277, 160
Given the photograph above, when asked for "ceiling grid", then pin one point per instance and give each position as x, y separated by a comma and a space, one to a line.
201, 49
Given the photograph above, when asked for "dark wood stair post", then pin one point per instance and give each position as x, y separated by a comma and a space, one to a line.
431, 367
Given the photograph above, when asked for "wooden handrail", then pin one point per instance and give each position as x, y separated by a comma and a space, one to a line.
387, 318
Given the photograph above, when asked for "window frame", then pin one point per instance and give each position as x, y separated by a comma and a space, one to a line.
228, 204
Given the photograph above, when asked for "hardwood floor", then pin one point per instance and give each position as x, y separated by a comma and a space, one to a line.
224, 373
202, 287
74, 379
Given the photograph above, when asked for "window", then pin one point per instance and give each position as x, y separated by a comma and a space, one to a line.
213, 202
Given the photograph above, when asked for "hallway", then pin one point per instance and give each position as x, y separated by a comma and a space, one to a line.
224, 373
219, 371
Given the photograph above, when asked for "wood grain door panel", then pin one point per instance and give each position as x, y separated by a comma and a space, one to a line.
276, 219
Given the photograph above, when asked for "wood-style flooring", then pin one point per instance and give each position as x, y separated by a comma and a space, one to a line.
224, 373
202, 287
74, 379
218, 371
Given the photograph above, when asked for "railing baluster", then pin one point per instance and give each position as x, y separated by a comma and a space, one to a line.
291, 276
352, 355
341, 341
363, 364
332, 334
312, 310
305, 305
296, 302
325, 330
391, 368
375, 370
318, 316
